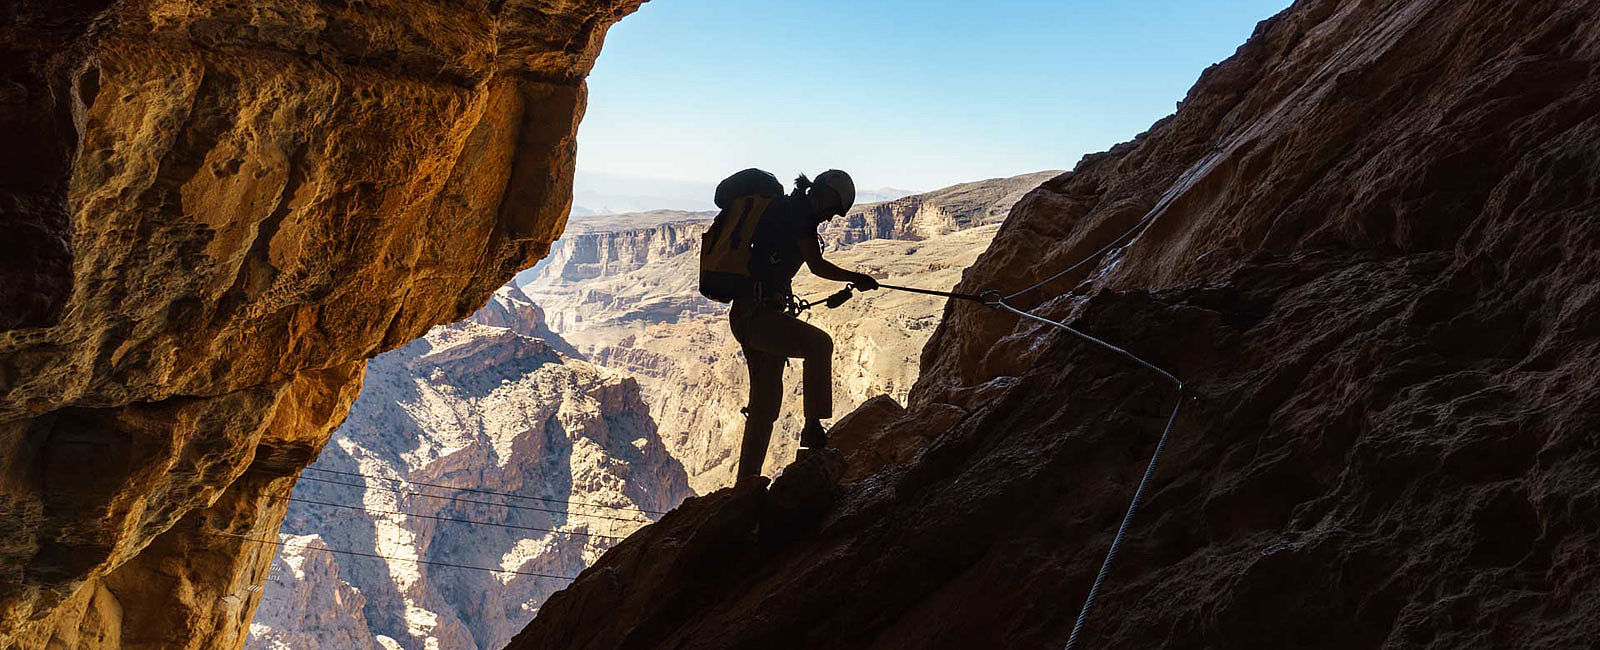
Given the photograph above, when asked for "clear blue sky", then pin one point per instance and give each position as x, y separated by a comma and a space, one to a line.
915, 94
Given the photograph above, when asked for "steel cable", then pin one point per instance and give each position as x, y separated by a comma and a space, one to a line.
1144, 481
994, 300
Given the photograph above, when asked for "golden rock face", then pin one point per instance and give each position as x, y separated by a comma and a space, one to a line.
215, 213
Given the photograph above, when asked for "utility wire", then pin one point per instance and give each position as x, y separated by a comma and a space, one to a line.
283, 497
459, 488
388, 557
447, 497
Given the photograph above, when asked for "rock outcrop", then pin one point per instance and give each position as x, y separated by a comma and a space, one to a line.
214, 212
512, 309
1375, 272
488, 411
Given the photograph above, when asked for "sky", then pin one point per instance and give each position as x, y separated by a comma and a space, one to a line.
911, 94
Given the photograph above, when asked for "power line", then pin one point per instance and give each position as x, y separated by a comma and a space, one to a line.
460, 488
283, 497
473, 501
390, 557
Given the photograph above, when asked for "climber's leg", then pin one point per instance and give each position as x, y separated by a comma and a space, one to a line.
766, 397
780, 334
817, 350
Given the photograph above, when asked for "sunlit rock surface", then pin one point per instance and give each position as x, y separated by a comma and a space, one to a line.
1376, 275
305, 605
214, 212
487, 411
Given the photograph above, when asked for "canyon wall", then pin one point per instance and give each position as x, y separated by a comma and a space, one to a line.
214, 212
1373, 264
488, 412
599, 284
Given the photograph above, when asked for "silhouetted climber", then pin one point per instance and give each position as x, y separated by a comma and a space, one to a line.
749, 257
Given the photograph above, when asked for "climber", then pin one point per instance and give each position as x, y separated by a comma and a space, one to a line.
769, 235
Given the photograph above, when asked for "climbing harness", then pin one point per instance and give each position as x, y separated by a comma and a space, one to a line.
793, 305
837, 298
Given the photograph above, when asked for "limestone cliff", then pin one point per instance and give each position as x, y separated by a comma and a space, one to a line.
489, 412
610, 276
920, 216
214, 212
1374, 268
600, 284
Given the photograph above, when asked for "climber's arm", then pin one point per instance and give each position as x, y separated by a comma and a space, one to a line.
811, 252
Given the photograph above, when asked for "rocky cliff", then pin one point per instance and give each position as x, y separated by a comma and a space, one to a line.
214, 212
1374, 267
631, 303
600, 283
488, 412
947, 210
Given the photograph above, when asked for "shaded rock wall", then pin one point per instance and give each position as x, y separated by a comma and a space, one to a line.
213, 213
1377, 281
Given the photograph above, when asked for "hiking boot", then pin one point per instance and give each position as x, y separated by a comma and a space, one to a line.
813, 436
756, 481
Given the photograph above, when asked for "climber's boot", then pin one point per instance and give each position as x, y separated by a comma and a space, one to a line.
814, 436
753, 482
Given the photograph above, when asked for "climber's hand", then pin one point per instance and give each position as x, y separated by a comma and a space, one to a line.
838, 298
864, 282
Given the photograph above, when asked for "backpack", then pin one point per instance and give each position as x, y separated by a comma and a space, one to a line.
728, 245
